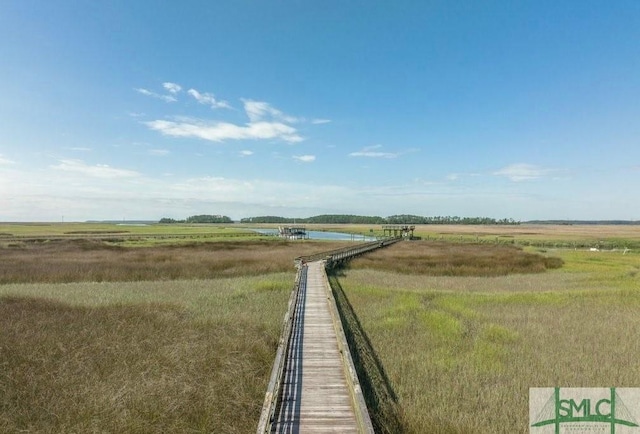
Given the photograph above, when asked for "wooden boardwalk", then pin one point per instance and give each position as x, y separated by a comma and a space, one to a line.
313, 386
315, 393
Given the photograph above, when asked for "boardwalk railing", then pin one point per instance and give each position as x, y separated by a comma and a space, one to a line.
275, 382
334, 257
274, 389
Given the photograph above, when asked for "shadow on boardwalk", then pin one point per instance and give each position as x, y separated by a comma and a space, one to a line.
380, 398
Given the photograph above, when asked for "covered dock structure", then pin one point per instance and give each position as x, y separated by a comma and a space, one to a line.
293, 232
398, 230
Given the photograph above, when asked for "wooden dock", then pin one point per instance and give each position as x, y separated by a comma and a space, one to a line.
315, 393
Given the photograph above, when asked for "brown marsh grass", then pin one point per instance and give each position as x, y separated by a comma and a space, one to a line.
182, 357
455, 259
94, 261
461, 352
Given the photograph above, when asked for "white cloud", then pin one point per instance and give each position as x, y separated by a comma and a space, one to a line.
453, 177
259, 110
159, 152
172, 87
6, 161
98, 171
82, 191
208, 99
166, 98
79, 149
305, 158
265, 121
371, 152
521, 172
320, 121
221, 131
246, 153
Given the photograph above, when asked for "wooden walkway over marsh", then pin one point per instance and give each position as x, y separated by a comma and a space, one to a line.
315, 393
314, 387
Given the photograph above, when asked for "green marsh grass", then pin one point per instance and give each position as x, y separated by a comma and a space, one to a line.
462, 351
53, 229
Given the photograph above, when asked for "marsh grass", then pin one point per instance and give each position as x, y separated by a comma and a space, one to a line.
462, 352
181, 338
178, 338
63, 261
182, 357
455, 259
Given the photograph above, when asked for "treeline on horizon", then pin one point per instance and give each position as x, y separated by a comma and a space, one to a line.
202, 218
393, 220
349, 219
376, 220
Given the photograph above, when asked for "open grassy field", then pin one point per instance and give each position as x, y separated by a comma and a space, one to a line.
29, 229
459, 349
122, 234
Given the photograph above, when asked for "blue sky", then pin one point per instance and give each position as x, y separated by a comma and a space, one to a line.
148, 109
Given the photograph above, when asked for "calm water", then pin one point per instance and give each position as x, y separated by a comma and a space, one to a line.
320, 235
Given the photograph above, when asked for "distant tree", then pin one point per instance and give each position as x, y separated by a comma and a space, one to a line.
167, 220
266, 219
345, 219
406, 219
206, 218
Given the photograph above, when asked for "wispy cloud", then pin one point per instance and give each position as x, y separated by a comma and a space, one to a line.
159, 152
79, 149
246, 153
208, 99
453, 177
5, 161
146, 92
221, 131
86, 191
373, 152
265, 121
260, 110
305, 158
98, 171
320, 121
172, 87
521, 172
